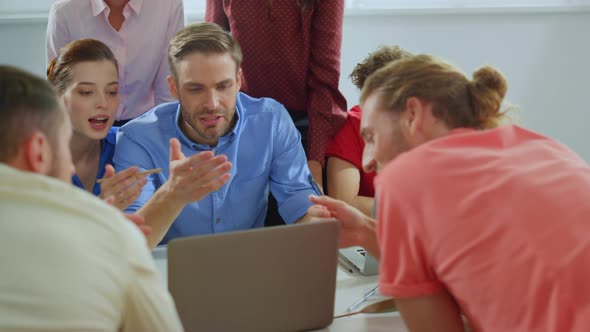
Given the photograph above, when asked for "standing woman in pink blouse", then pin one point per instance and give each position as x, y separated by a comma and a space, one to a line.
138, 32
291, 54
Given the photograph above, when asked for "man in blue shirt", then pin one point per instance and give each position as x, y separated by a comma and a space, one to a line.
236, 147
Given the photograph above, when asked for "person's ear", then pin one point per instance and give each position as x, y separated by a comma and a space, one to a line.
239, 79
173, 87
413, 117
37, 153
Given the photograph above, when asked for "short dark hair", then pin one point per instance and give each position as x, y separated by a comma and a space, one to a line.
375, 61
27, 104
202, 38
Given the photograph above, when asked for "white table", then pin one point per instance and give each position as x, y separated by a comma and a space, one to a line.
349, 288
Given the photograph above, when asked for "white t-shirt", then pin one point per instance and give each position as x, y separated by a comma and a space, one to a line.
70, 262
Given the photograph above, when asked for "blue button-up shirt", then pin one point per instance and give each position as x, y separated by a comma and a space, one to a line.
107, 152
264, 148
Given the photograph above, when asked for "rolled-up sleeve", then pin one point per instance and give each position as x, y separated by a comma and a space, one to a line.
406, 270
291, 182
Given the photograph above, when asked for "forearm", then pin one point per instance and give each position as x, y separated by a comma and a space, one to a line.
344, 180
437, 312
159, 213
304, 219
368, 237
363, 203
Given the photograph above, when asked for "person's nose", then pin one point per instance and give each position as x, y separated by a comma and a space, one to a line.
212, 101
102, 100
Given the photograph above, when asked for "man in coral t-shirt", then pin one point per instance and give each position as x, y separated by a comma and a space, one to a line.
489, 223
495, 218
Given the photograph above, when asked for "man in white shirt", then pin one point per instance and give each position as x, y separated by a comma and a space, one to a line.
69, 261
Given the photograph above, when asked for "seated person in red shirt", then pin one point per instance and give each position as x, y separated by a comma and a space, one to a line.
348, 179
488, 223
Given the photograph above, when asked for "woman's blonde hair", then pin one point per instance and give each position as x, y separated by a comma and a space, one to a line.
456, 100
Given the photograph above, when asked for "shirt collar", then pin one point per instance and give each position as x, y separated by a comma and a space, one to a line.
111, 139
98, 6
136, 5
222, 140
239, 114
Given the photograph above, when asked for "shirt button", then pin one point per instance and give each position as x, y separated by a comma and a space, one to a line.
217, 220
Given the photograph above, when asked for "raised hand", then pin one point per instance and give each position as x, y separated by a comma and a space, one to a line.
192, 178
124, 187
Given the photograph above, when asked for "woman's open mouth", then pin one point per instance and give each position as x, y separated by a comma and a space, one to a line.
98, 122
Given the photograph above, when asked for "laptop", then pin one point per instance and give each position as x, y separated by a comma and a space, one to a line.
269, 279
356, 260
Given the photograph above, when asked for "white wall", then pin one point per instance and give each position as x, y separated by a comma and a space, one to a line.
545, 57
543, 54
23, 45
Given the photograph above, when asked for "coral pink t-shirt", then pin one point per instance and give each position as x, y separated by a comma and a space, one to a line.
500, 218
